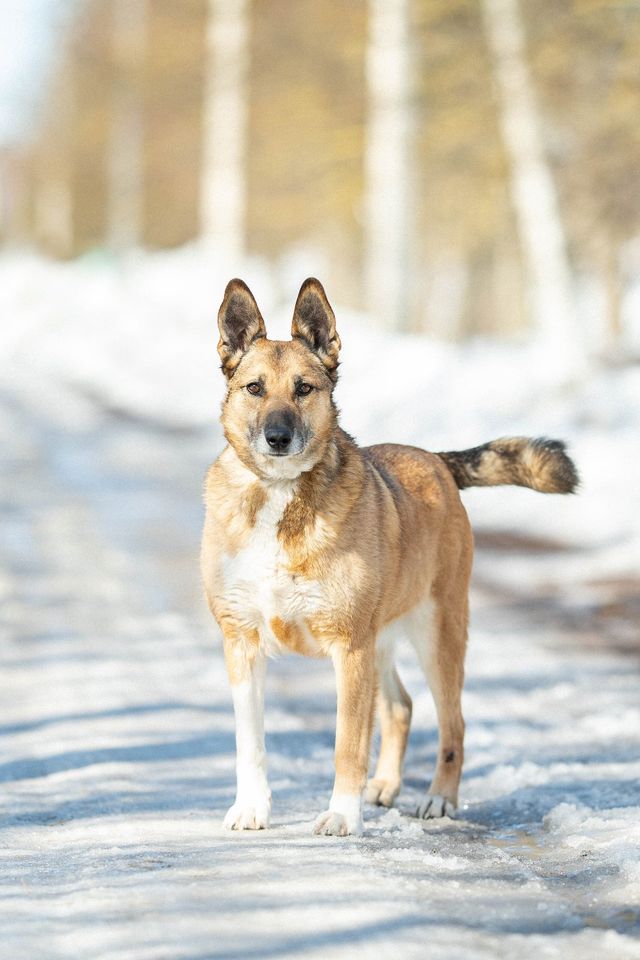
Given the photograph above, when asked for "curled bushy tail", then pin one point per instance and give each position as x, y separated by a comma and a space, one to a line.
538, 463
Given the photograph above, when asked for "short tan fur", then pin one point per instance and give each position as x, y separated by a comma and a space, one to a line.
314, 545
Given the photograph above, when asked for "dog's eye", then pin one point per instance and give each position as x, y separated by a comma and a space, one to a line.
303, 389
255, 388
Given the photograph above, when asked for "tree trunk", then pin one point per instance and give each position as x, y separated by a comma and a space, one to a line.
613, 288
223, 178
54, 204
534, 196
389, 185
125, 163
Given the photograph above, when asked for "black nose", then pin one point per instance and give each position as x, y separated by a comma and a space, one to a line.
278, 436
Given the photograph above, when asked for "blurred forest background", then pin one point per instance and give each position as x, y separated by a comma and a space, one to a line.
458, 167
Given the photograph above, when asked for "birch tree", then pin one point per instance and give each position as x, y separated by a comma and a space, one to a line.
54, 220
125, 172
388, 180
533, 193
223, 179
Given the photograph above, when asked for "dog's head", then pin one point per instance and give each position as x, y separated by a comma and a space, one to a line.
278, 413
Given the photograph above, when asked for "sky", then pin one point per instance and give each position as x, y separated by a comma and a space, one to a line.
27, 33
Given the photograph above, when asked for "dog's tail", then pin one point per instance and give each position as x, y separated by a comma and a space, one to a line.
538, 463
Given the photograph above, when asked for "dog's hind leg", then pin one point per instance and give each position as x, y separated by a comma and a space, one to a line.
441, 656
394, 711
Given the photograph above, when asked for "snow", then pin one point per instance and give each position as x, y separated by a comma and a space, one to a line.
117, 761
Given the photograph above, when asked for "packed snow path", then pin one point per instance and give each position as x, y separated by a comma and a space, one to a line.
118, 743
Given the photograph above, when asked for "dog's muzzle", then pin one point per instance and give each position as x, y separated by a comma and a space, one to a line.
280, 435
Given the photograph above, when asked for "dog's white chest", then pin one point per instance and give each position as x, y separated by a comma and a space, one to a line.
258, 586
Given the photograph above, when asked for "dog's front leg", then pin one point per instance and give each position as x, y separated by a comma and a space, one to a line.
355, 681
252, 808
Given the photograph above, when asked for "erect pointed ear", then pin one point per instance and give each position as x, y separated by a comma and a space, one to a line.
240, 323
315, 324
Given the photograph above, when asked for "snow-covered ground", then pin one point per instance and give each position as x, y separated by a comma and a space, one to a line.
116, 722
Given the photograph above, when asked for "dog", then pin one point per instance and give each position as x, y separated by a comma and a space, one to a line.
314, 545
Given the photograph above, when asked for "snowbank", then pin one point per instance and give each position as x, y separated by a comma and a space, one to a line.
139, 336
117, 762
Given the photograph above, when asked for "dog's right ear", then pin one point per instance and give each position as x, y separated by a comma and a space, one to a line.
240, 323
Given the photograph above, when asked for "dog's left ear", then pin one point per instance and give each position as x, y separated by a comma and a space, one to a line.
315, 324
240, 323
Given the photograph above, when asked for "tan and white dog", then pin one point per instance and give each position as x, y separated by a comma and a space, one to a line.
315, 545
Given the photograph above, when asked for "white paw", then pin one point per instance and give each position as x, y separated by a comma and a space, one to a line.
343, 817
434, 806
382, 792
331, 824
246, 816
